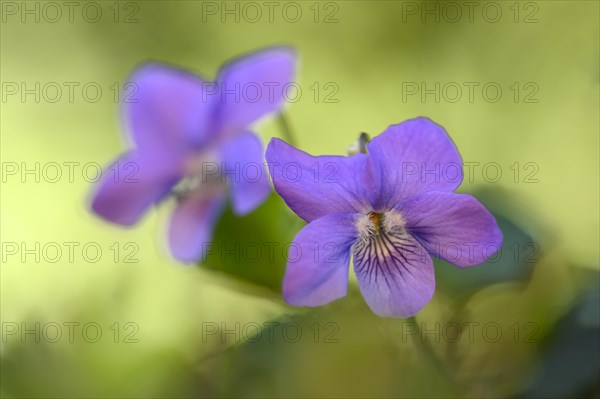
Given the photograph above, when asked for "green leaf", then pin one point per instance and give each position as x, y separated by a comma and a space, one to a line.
254, 248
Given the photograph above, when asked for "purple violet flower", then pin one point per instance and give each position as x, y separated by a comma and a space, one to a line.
186, 134
390, 208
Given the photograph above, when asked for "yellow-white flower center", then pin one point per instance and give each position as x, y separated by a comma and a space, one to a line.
201, 169
373, 224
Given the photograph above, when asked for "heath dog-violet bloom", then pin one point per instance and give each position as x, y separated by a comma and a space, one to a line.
191, 139
391, 207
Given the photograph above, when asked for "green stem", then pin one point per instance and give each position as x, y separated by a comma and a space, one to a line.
286, 129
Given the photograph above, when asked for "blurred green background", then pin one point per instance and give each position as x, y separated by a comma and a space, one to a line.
149, 327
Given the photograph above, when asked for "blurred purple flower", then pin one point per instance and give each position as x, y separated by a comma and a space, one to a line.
390, 208
185, 132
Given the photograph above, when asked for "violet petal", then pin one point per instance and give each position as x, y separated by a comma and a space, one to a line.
244, 166
413, 157
395, 274
316, 186
251, 87
318, 261
131, 184
192, 223
454, 227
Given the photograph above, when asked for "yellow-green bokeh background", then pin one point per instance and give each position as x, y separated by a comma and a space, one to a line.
368, 54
